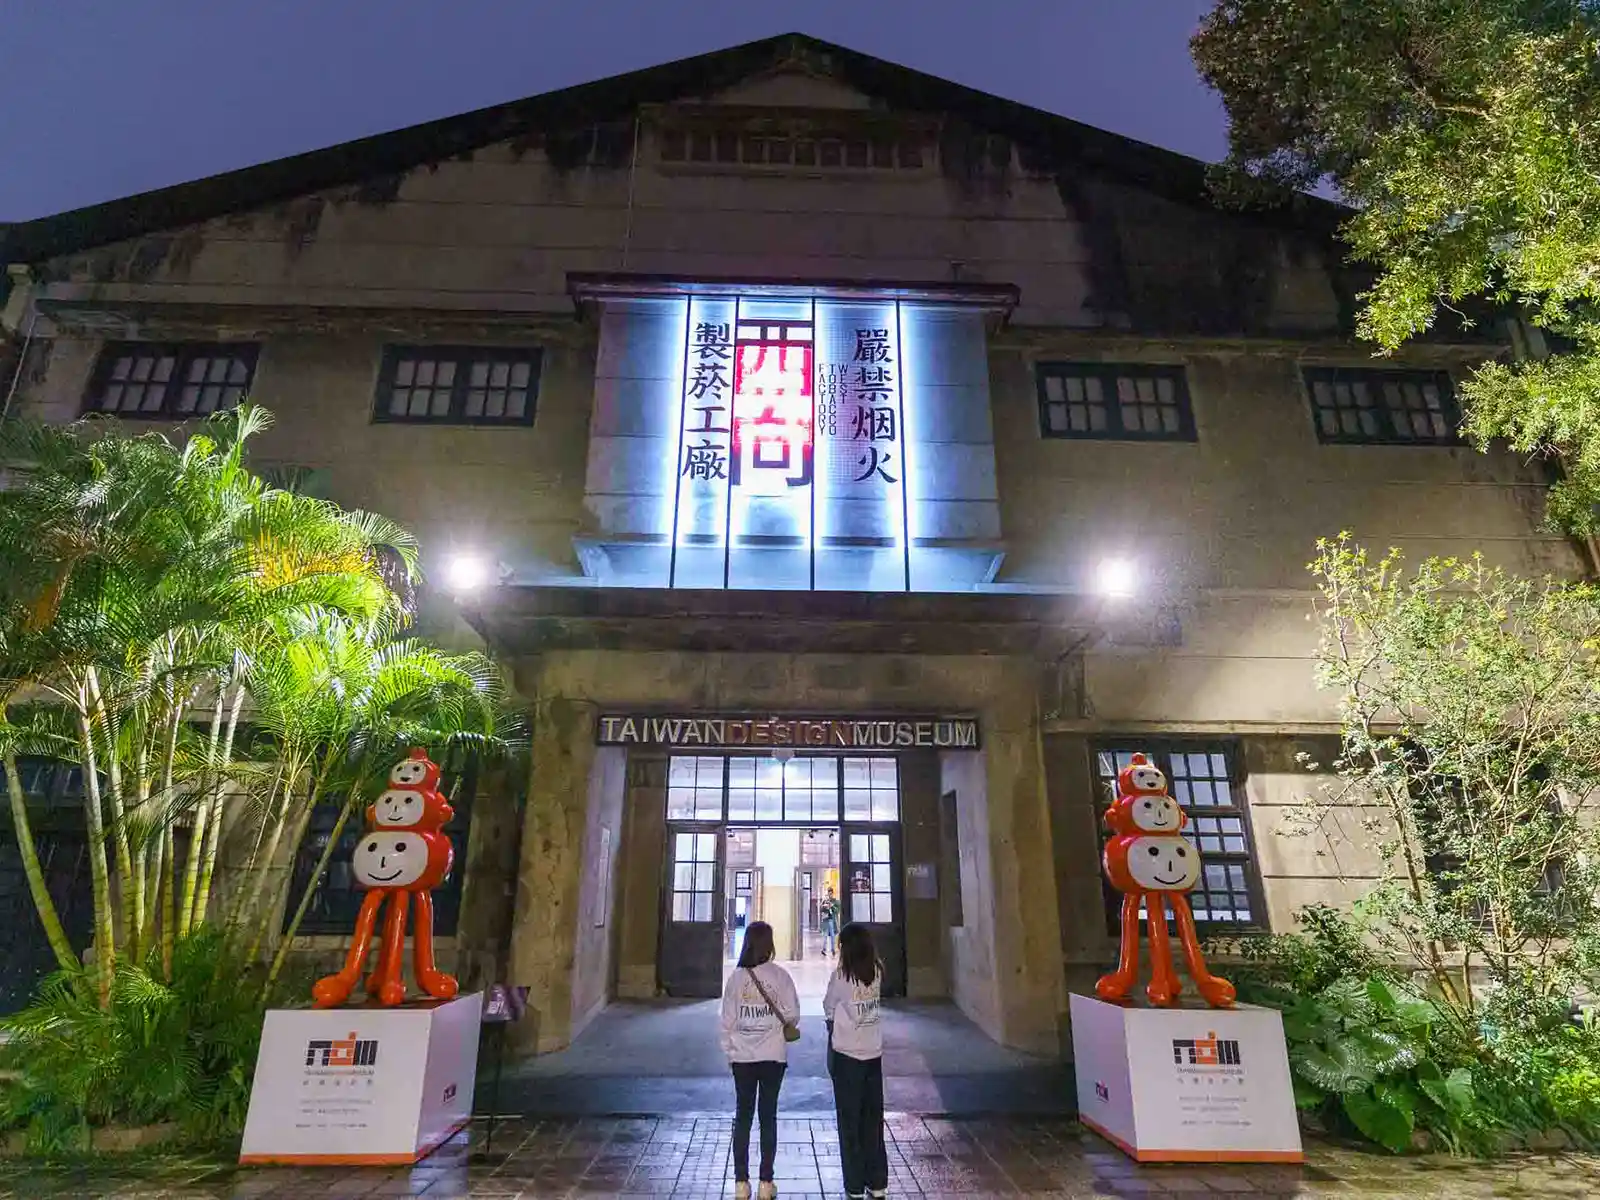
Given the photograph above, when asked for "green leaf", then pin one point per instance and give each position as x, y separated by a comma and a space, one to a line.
1307, 1095
1340, 1067
1453, 1093
1379, 1121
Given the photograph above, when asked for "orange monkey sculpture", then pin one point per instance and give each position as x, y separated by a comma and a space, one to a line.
1149, 860
403, 853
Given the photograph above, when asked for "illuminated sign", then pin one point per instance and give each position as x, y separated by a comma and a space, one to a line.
802, 733
762, 443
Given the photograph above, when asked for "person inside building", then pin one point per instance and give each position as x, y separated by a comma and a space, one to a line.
855, 1061
760, 1017
830, 923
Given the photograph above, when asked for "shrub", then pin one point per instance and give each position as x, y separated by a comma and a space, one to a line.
182, 1051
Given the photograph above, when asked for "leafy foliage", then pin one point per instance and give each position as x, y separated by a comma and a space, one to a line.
178, 1049
1373, 1055
152, 593
1472, 738
1466, 134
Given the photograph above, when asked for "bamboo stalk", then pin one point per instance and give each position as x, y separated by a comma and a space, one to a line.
105, 942
28, 850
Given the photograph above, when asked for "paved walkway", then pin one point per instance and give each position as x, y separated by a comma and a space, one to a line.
687, 1157
661, 1058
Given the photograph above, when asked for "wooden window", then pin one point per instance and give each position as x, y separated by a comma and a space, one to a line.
1376, 407
1204, 779
1123, 401
871, 879
694, 875
694, 788
170, 380
458, 385
871, 789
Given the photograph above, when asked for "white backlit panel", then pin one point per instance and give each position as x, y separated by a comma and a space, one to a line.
760, 443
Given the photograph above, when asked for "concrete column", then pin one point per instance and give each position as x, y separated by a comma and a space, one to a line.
1027, 928
544, 936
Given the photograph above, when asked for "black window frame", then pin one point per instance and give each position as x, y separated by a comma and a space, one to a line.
464, 357
1108, 374
1376, 377
1160, 751
184, 354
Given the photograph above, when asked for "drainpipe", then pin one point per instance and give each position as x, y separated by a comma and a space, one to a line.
22, 360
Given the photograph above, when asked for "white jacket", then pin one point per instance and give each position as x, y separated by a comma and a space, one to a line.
854, 1011
751, 1031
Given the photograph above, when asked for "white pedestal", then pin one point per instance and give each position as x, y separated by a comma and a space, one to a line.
362, 1086
1186, 1084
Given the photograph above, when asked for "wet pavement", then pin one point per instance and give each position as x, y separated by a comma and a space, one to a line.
928, 1157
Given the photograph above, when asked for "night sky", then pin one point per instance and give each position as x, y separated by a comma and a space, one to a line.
103, 98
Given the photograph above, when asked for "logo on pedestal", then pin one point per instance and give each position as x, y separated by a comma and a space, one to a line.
404, 853
1153, 865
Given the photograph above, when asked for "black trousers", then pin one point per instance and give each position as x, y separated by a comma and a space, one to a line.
755, 1085
858, 1099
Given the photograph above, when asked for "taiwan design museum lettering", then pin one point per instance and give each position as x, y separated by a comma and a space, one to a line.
803, 733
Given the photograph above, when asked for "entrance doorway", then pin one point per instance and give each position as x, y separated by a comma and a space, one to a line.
784, 876
763, 839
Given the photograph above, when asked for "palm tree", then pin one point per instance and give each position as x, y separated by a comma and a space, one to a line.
137, 581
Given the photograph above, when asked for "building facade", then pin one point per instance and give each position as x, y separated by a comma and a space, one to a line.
866, 467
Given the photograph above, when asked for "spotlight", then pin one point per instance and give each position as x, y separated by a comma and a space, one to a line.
466, 573
1117, 578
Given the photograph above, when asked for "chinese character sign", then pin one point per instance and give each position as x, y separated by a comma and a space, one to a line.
861, 530
790, 467
705, 465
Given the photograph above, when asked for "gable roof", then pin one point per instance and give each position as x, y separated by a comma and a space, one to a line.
1054, 139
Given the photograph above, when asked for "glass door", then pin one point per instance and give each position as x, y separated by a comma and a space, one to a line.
871, 870
690, 961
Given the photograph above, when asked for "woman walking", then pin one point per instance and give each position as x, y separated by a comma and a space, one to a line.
855, 1060
760, 1017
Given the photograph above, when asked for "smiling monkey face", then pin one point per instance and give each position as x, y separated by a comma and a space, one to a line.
1164, 864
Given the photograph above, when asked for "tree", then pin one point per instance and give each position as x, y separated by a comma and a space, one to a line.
1467, 702
1466, 134
152, 594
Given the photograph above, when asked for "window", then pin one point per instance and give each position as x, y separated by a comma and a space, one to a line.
458, 385
337, 897
771, 790
1357, 405
871, 878
1204, 781
871, 789
175, 380
694, 875
801, 789
778, 149
1116, 401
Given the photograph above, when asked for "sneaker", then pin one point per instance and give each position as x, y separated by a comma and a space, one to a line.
741, 1190
877, 1193
767, 1190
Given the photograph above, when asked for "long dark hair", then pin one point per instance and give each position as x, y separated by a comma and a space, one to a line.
758, 947
858, 958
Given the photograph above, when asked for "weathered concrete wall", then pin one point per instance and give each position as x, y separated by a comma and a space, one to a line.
639, 877
593, 955
1011, 841
974, 979
913, 196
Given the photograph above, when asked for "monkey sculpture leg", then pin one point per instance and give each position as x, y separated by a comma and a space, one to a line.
1119, 983
336, 989
429, 978
1164, 986
391, 954
1218, 992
